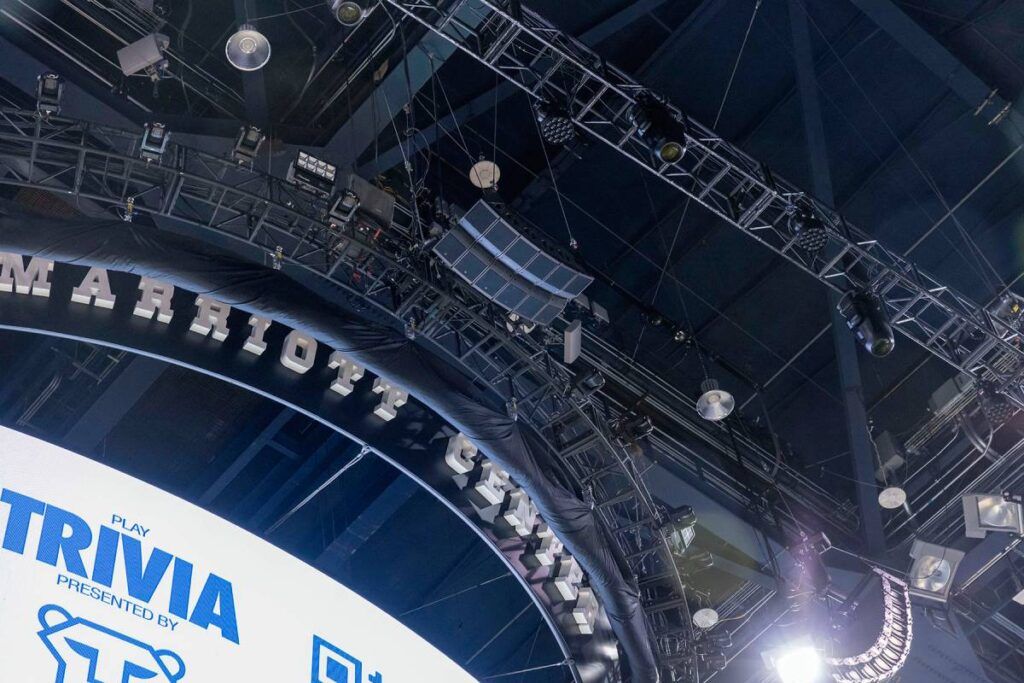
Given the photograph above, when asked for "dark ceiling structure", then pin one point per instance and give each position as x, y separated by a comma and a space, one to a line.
900, 116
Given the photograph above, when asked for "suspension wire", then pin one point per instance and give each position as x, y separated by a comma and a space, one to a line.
551, 172
736, 64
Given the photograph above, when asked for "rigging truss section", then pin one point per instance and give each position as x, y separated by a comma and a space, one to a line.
546, 64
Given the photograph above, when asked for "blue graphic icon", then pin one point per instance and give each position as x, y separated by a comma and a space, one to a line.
89, 653
331, 664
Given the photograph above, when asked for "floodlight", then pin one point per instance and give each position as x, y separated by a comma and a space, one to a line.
344, 207
680, 530
868, 321
247, 144
798, 662
992, 512
49, 92
808, 230
144, 55
312, 174
931, 574
348, 13
154, 141
556, 126
632, 427
892, 497
714, 404
247, 49
588, 381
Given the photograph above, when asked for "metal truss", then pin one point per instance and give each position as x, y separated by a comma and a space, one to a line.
548, 65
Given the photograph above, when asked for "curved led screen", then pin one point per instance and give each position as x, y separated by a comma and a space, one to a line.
105, 579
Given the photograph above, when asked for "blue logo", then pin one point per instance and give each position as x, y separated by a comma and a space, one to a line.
89, 653
331, 664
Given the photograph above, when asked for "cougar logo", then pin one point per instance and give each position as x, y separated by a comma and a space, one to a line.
89, 653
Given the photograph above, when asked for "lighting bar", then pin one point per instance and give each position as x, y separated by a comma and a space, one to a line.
312, 174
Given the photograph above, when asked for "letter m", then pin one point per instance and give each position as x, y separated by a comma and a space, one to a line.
15, 277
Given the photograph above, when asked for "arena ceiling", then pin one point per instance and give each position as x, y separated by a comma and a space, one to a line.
913, 156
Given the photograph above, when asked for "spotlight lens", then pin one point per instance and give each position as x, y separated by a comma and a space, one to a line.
994, 512
247, 45
882, 347
670, 152
798, 665
349, 13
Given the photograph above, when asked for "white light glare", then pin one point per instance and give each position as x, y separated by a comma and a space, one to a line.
800, 664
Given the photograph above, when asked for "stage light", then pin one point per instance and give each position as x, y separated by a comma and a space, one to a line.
145, 55
485, 174
868, 321
656, 126
997, 408
996, 512
154, 141
798, 662
892, 497
247, 49
714, 404
631, 428
247, 144
680, 530
348, 13
588, 381
705, 618
344, 207
695, 563
556, 126
312, 174
931, 574
808, 229
49, 92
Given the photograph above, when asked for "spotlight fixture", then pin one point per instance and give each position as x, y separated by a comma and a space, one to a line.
154, 141
312, 174
145, 55
247, 144
714, 404
808, 230
631, 428
695, 563
348, 13
888, 654
485, 174
992, 512
680, 530
866, 318
556, 126
588, 381
931, 574
996, 407
657, 127
49, 92
343, 207
247, 49
798, 662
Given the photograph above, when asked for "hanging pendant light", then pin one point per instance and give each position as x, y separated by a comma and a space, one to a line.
248, 49
714, 404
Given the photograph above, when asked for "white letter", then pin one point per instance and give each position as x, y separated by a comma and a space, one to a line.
550, 547
154, 298
255, 344
585, 611
392, 398
494, 483
299, 352
568, 579
211, 316
35, 279
94, 290
521, 514
348, 373
460, 454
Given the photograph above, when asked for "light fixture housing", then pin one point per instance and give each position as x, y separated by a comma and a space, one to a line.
343, 207
312, 174
556, 126
348, 13
705, 618
808, 230
931, 574
656, 126
631, 428
588, 381
892, 497
247, 49
797, 662
49, 93
866, 318
154, 141
715, 404
680, 530
247, 144
992, 512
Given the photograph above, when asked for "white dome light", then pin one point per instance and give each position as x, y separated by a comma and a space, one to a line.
248, 49
714, 404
